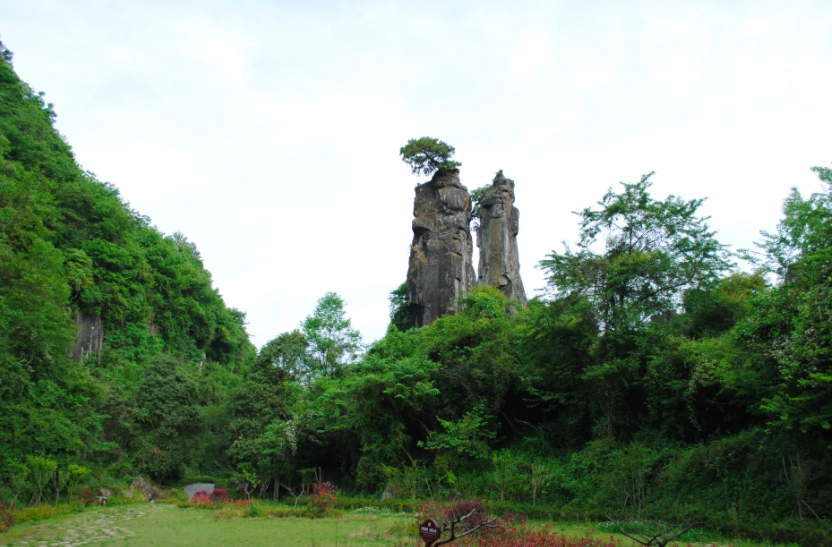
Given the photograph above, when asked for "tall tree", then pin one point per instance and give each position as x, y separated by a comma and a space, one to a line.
333, 342
800, 252
653, 252
399, 317
285, 356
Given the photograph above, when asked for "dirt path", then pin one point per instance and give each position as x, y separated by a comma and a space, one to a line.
104, 525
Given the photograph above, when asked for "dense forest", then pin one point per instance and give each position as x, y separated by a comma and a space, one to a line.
654, 376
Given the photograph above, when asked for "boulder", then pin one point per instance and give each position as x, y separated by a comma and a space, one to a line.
195, 487
388, 494
499, 264
441, 270
138, 484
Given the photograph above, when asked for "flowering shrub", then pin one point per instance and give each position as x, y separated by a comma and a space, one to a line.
6, 516
515, 519
521, 536
240, 503
201, 497
510, 531
220, 495
323, 497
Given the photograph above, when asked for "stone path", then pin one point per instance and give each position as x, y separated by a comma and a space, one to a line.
86, 530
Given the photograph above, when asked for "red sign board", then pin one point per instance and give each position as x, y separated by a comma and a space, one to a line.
429, 531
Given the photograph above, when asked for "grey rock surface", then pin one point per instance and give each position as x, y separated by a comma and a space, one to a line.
499, 264
90, 337
193, 488
441, 270
138, 483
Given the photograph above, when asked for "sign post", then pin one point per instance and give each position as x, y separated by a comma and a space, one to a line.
430, 532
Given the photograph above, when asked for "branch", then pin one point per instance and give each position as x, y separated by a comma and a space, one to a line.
649, 539
490, 523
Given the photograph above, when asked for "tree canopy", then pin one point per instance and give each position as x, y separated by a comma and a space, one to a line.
653, 252
333, 342
427, 155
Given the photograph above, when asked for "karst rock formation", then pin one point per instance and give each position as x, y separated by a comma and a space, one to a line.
90, 337
497, 240
441, 270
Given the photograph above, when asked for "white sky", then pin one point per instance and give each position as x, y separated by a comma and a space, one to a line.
268, 131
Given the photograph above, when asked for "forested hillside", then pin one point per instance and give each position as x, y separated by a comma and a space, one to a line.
69, 247
654, 377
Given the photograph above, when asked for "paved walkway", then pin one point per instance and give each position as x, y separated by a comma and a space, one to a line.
84, 530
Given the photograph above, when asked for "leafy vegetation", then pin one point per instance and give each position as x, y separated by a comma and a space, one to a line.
427, 155
71, 249
654, 381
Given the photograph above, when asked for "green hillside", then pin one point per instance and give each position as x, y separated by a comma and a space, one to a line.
69, 248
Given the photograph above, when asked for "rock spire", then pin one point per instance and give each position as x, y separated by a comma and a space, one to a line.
441, 270
497, 240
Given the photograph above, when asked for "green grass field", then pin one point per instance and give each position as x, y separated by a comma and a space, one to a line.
145, 524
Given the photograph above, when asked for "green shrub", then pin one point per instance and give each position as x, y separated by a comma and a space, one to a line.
31, 514
286, 512
254, 510
6, 516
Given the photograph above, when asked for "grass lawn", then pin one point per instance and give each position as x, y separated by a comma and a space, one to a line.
141, 525
145, 524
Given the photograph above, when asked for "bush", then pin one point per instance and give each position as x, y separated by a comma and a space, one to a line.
519, 535
6, 516
254, 510
121, 499
235, 512
39, 512
176, 496
285, 512
807, 533
216, 498
86, 495
323, 497
196, 505
220, 495
201, 497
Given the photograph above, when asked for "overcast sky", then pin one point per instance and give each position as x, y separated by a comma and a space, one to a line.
268, 131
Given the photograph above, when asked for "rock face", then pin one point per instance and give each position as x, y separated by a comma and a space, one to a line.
497, 240
441, 270
90, 336
138, 483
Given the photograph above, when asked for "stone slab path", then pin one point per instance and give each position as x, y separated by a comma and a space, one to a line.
84, 529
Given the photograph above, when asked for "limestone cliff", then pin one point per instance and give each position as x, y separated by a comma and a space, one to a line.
441, 270
497, 240
90, 337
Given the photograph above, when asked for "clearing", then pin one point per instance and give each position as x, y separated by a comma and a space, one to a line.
168, 525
